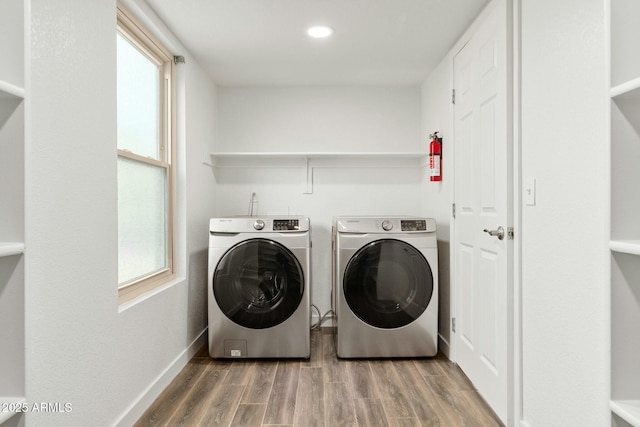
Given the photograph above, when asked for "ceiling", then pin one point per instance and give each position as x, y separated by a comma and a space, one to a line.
264, 42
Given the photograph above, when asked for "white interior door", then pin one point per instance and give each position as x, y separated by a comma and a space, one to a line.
482, 197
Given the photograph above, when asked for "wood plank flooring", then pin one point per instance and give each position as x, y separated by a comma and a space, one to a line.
322, 391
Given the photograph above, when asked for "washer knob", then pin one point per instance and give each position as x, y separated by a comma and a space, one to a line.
258, 224
387, 225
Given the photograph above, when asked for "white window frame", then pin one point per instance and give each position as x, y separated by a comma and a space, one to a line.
136, 33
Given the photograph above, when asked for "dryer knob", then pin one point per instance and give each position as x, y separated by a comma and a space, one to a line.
258, 224
387, 225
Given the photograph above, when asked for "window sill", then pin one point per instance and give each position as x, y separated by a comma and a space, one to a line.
141, 295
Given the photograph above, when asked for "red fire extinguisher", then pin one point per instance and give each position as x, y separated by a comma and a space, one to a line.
435, 157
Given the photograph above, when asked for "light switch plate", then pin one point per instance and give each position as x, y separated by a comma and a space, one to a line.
530, 192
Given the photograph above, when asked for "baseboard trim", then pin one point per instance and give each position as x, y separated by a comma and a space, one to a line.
443, 346
328, 322
523, 423
146, 398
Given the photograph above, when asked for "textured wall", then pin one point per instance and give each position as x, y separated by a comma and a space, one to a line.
438, 196
565, 293
80, 349
319, 118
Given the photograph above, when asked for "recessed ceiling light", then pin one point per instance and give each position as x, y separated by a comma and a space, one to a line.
320, 31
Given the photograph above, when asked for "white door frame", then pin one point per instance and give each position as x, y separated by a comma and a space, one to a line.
515, 358
514, 330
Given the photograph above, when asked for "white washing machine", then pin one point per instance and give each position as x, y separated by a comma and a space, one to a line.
385, 287
259, 291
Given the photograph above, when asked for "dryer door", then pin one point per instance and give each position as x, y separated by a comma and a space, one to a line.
258, 283
388, 283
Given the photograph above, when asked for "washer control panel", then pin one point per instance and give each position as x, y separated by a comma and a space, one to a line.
413, 225
262, 224
286, 224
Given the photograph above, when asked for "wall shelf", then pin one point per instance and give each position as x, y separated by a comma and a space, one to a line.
8, 90
310, 160
11, 248
625, 246
627, 90
628, 410
407, 156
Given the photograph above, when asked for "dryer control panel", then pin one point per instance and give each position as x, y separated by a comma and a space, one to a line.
413, 225
286, 224
391, 224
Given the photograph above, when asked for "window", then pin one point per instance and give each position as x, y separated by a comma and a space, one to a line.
146, 183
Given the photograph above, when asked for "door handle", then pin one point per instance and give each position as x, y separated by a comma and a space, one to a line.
499, 233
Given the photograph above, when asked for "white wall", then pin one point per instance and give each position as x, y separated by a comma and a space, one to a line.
80, 349
199, 185
565, 296
320, 119
437, 196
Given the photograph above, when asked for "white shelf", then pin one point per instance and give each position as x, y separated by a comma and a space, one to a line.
318, 155
628, 410
7, 90
319, 159
625, 246
17, 401
11, 248
626, 90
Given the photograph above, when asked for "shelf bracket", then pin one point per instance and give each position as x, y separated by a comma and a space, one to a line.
309, 177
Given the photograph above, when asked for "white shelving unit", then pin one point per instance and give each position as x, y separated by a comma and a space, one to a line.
307, 161
625, 211
12, 247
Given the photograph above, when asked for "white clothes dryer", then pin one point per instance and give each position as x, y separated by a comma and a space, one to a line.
385, 287
259, 291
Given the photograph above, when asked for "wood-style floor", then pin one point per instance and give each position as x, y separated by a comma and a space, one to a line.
322, 391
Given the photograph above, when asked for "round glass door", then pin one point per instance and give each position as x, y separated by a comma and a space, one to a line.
258, 283
388, 283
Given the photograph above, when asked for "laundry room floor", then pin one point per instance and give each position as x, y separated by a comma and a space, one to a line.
322, 391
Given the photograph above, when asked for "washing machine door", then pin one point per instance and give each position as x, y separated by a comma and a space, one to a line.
388, 283
258, 283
